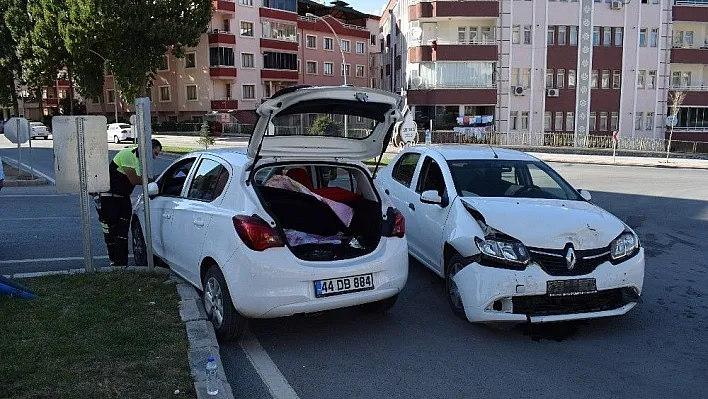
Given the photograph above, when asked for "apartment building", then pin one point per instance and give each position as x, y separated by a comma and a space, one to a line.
581, 66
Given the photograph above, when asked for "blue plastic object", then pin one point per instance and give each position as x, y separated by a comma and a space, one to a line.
15, 289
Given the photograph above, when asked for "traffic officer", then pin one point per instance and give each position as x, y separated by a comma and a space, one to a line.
114, 207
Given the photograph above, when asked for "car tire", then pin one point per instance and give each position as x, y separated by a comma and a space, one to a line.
139, 247
228, 323
381, 306
455, 264
116, 140
46, 138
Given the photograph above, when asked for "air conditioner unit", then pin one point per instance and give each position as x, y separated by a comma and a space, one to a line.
552, 92
616, 4
518, 90
215, 31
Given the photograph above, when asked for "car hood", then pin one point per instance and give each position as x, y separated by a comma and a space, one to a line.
381, 105
546, 223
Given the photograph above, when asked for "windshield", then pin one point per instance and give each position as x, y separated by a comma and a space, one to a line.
36, 124
124, 126
501, 178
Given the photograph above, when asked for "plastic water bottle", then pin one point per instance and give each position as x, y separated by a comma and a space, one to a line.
212, 381
428, 136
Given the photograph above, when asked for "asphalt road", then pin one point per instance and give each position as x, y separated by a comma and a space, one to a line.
420, 350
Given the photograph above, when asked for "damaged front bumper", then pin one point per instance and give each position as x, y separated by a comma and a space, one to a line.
499, 295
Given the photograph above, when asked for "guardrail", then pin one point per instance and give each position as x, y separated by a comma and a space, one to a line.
689, 88
690, 3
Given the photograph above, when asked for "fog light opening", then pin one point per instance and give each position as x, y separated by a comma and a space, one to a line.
497, 305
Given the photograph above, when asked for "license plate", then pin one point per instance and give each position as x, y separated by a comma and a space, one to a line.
343, 285
571, 287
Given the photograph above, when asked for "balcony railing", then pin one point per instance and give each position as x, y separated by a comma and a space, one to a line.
693, 46
314, 20
689, 88
417, 84
428, 42
431, 1
691, 3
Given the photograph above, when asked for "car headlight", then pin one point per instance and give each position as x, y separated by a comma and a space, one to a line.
623, 247
502, 252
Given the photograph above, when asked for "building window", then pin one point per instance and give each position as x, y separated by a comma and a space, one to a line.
606, 36
165, 94
570, 121
192, 93
275, 60
227, 91
605, 79
360, 71
676, 79
524, 120
649, 125
164, 63
516, 34
603, 122
616, 79
641, 77
249, 92
111, 96
372, 40
651, 84
571, 78
593, 79
473, 34
345, 69
654, 38
549, 78
515, 76
311, 41
561, 35
360, 48
328, 43
487, 34
619, 32
638, 119
221, 56
573, 36
514, 120
527, 34
678, 38
558, 122
328, 68
285, 5
547, 119
550, 35
311, 67
247, 29
248, 60
592, 122
560, 78
246, 2
643, 37
226, 25
526, 77
596, 36
686, 79
190, 60
688, 38
614, 121
279, 31
461, 34
346, 46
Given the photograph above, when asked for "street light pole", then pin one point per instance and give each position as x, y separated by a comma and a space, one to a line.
115, 87
341, 50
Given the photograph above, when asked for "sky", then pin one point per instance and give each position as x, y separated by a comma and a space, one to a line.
368, 6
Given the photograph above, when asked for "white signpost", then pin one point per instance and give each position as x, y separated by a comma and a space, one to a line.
143, 129
81, 165
17, 130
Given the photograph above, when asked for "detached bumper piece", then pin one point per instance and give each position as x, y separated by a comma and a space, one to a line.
544, 305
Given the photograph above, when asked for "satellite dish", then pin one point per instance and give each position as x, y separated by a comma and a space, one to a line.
671, 121
416, 32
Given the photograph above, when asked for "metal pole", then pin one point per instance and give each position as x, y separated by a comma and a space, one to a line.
145, 150
29, 129
85, 218
115, 97
19, 150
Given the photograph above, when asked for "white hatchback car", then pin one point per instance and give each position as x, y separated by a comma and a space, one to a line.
117, 132
292, 225
38, 129
513, 240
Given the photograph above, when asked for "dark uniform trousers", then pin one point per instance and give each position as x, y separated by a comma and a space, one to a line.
114, 213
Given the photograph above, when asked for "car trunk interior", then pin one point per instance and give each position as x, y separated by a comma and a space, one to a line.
323, 215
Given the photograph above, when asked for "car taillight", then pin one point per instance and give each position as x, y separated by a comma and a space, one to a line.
399, 224
256, 233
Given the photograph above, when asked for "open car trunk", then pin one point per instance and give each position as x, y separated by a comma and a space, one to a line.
320, 220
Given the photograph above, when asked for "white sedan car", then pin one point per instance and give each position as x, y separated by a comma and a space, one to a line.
513, 240
38, 129
292, 225
117, 132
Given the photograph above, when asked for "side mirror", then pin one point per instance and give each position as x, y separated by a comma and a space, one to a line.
430, 197
585, 194
153, 189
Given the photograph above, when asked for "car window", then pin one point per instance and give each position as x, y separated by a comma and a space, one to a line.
431, 177
173, 180
405, 168
123, 126
336, 177
541, 179
209, 181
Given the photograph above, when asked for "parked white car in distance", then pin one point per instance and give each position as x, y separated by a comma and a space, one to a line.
38, 129
118, 132
293, 224
512, 239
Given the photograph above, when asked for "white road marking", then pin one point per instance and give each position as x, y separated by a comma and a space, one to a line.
36, 195
41, 260
40, 218
270, 374
24, 165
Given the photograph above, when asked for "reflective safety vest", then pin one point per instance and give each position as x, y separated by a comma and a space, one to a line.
127, 158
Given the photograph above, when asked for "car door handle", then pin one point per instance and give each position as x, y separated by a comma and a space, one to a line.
387, 192
198, 222
410, 205
166, 215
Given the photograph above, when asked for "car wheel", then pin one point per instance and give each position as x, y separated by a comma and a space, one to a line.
228, 323
139, 247
454, 265
46, 137
116, 140
380, 306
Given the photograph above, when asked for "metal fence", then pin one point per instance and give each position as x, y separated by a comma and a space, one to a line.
193, 128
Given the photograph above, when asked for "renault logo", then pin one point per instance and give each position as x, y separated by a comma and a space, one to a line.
570, 258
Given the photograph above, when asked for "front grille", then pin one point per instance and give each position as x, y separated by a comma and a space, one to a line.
544, 305
553, 262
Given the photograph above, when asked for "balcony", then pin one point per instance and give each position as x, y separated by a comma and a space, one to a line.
222, 72
453, 8
436, 50
315, 24
690, 11
224, 105
695, 95
689, 55
279, 74
51, 102
224, 6
217, 37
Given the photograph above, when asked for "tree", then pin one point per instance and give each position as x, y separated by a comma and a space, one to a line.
326, 126
10, 66
205, 137
675, 99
